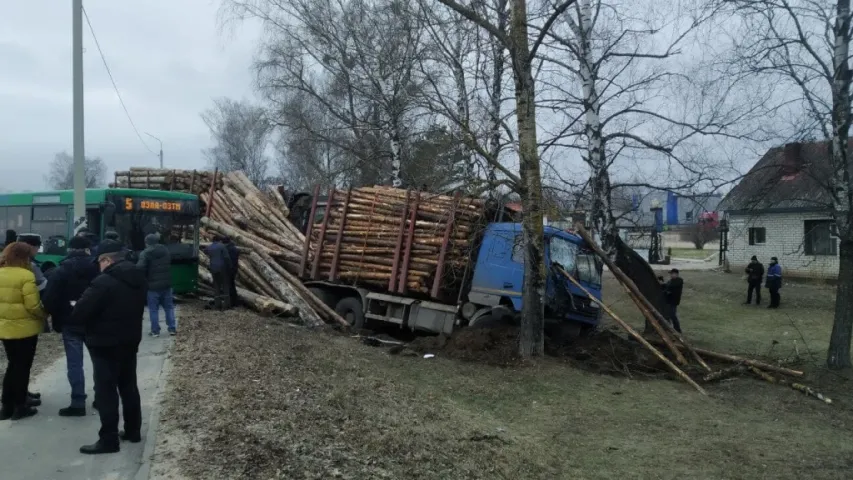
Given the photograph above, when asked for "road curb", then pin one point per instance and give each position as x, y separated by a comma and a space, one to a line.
144, 471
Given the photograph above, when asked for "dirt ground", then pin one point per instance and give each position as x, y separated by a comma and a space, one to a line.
251, 397
48, 351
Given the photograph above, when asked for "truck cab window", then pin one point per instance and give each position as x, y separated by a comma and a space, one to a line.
563, 252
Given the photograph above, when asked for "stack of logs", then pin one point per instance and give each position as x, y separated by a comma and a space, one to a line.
190, 181
402, 241
257, 223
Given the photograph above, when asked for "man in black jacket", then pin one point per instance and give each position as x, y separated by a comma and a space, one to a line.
66, 286
672, 298
754, 276
234, 256
111, 311
156, 262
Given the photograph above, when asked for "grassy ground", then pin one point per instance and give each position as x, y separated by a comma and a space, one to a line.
691, 253
260, 399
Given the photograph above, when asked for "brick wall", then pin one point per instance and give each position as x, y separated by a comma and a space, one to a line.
784, 239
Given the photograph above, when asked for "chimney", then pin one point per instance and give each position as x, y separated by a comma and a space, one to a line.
792, 161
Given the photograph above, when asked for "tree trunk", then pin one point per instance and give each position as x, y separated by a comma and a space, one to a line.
496, 92
838, 355
532, 338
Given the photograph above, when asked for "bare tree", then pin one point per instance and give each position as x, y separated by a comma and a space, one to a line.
622, 55
522, 53
241, 134
464, 72
804, 46
356, 59
61, 175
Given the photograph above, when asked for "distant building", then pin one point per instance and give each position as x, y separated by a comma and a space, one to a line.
782, 209
677, 210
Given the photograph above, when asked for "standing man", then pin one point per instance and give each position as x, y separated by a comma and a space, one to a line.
234, 256
774, 282
220, 266
156, 262
754, 276
67, 284
34, 241
111, 311
672, 298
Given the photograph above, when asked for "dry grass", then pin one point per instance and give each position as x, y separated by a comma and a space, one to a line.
265, 400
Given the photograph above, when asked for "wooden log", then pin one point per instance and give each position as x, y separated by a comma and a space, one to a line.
306, 294
242, 237
286, 290
796, 386
746, 361
655, 318
724, 373
266, 304
680, 373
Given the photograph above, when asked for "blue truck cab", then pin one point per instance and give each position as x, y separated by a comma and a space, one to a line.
499, 275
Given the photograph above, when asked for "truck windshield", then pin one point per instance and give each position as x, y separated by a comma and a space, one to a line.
589, 269
563, 252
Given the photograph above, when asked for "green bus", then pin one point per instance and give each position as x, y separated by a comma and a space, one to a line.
131, 213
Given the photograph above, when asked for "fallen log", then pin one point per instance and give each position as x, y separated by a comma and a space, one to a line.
266, 304
652, 315
286, 290
796, 386
746, 361
680, 373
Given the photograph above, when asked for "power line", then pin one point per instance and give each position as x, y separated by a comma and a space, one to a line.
115, 87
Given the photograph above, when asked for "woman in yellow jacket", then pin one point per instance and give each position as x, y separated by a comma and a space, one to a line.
21, 320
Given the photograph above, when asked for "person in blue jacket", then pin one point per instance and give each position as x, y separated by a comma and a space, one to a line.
774, 282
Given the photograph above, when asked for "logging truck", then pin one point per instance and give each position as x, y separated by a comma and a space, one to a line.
369, 262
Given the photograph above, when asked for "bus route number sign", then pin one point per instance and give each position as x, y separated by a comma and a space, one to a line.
151, 205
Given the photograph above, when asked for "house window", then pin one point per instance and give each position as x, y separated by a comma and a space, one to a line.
688, 216
757, 235
818, 239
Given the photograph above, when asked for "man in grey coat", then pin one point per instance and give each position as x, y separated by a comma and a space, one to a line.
156, 262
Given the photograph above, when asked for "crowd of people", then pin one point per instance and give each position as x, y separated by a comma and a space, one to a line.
95, 299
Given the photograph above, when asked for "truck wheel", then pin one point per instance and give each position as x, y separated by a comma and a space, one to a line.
351, 310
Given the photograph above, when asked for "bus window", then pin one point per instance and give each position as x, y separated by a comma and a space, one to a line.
18, 218
133, 227
589, 268
51, 222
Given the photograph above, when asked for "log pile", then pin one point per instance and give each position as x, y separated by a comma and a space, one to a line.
269, 244
189, 181
393, 239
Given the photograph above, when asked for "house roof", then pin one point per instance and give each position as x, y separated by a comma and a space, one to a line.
789, 177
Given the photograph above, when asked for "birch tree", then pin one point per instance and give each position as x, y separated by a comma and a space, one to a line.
804, 46
528, 182
635, 95
355, 58
464, 74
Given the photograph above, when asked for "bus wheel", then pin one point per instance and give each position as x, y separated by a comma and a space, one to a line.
351, 310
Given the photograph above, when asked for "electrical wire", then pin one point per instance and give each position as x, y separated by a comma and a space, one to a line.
115, 87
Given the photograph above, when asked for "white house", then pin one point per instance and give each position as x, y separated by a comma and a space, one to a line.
781, 209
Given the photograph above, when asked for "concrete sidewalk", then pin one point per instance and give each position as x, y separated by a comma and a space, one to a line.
45, 447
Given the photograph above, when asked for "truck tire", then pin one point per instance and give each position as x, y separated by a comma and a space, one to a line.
352, 311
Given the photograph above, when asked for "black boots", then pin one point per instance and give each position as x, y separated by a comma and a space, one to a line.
98, 448
23, 412
72, 412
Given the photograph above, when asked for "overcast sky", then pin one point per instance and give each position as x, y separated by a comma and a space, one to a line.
168, 58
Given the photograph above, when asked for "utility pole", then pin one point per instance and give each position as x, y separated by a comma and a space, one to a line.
161, 147
77, 81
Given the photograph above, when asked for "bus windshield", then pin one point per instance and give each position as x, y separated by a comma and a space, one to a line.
176, 231
563, 252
